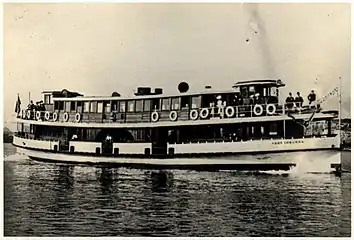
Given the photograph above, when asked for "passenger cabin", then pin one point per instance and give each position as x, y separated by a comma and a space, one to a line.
114, 108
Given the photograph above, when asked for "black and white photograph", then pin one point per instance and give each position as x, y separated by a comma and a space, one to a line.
157, 119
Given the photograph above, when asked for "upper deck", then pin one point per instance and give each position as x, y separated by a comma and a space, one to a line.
256, 100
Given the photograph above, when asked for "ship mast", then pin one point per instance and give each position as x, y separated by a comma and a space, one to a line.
340, 111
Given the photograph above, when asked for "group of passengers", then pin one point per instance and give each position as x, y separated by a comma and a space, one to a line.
298, 100
39, 106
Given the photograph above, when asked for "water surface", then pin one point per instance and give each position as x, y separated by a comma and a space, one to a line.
47, 199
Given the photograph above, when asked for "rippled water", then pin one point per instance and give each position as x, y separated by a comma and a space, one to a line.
46, 199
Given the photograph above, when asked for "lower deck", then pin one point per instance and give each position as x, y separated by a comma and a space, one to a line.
178, 140
191, 149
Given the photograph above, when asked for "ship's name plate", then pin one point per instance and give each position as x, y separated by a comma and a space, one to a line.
288, 142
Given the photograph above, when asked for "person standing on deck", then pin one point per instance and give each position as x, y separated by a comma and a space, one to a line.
257, 99
299, 100
289, 101
220, 106
30, 106
109, 138
312, 99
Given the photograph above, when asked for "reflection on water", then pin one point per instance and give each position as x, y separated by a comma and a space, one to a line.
44, 199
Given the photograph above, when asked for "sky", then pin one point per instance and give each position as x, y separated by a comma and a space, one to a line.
100, 48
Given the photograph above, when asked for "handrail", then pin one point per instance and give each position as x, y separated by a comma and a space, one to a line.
218, 111
33, 138
219, 140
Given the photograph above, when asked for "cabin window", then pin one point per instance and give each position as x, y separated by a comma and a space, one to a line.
165, 104
273, 92
147, 105
114, 106
196, 102
122, 106
20, 127
252, 90
72, 106
107, 106
67, 106
100, 107
131, 106
56, 105
175, 103
93, 107
47, 99
108, 109
61, 105
86, 107
185, 101
156, 104
273, 129
139, 105
207, 100
244, 92
260, 90
79, 106
27, 128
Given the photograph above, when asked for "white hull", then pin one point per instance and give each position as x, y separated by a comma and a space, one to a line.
324, 160
276, 154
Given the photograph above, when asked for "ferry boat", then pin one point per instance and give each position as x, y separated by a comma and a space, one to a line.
213, 130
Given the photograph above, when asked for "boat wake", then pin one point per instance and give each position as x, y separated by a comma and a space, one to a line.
304, 165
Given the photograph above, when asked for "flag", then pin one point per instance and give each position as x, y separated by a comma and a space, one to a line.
18, 105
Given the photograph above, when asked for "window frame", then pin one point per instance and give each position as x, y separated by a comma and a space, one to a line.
122, 106
141, 105
73, 103
67, 106
79, 104
131, 106
173, 105
93, 106
86, 106
198, 97
99, 103
168, 106
147, 102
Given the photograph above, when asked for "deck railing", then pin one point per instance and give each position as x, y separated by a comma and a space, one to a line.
250, 111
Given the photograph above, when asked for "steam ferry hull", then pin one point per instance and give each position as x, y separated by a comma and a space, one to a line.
317, 159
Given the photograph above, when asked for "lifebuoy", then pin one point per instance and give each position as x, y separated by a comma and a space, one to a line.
255, 110
272, 106
47, 116
230, 111
55, 116
193, 114
66, 117
38, 115
155, 116
204, 113
78, 117
173, 115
